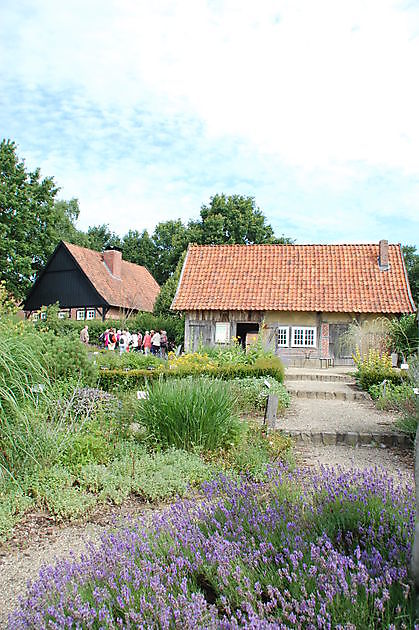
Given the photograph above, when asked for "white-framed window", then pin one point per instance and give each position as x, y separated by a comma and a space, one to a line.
62, 314
303, 336
80, 314
90, 313
43, 315
222, 332
283, 336
35, 317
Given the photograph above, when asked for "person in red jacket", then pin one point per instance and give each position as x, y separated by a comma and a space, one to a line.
147, 342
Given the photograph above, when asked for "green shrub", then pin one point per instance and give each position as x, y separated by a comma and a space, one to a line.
404, 335
190, 414
252, 393
130, 360
374, 368
66, 358
396, 397
126, 380
255, 452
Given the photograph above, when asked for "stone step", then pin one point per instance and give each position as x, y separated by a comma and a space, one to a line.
329, 395
325, 378
349, 438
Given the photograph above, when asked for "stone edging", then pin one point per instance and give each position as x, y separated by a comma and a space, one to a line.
349, 438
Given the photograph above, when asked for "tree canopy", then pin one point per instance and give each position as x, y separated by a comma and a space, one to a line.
31, 221
411, 260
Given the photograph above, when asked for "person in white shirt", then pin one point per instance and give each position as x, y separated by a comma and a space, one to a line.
155, 344
123, 345
134, 341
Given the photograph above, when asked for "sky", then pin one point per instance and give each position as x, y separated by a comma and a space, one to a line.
145, 109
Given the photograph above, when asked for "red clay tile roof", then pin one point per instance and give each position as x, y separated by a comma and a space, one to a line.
136, 289
340, 278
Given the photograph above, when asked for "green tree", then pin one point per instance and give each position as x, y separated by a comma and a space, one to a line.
411, 260
235, 219
67, 214
170, 238
168, 290
100, 238
30, 223
139, 249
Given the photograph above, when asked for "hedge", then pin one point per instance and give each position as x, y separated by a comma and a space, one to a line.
130, 379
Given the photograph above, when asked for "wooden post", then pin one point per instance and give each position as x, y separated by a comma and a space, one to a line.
271, 411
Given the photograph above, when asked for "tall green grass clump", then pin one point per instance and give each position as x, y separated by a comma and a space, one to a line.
21, 364
190, 414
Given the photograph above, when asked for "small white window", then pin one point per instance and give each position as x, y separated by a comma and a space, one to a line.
222, 332
80, 315
35, 317
304, 336
62, 314
91, 313
283, 336
43, 315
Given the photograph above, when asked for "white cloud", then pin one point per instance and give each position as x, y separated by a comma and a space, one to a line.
204, 95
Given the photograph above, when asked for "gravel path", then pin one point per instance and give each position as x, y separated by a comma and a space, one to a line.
336, 415
19, 566
396, 462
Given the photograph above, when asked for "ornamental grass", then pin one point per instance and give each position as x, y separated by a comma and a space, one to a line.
306, 550
190, 414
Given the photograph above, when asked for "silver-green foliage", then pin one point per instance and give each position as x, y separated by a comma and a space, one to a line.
251, 393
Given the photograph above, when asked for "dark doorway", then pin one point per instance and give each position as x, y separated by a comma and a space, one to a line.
243, 330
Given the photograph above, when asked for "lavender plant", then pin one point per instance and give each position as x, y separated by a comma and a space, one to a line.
308, 550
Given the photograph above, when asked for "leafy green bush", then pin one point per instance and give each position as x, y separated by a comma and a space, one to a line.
190, 414
374, 368
126, 380
404, 335
130, 360
252, 393
66, 358
254, 455
152, 476
396, 397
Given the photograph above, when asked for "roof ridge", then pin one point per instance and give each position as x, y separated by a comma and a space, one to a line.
196, 245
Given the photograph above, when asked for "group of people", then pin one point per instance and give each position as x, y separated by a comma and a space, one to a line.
152, 342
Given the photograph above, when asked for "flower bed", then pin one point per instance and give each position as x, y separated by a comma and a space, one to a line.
307, 550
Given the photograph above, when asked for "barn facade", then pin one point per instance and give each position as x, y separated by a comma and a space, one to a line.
301, 298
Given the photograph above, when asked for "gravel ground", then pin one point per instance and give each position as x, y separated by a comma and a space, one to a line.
336, 415
20, 566
396, 462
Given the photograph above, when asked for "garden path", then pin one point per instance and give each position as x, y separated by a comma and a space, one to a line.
333, 425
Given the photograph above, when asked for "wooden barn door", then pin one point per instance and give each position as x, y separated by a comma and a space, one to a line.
341, 356
200, 334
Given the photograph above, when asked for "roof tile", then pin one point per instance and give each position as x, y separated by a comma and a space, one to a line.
334, 278
136, 289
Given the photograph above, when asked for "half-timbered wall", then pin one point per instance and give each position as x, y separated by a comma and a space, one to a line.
328, 327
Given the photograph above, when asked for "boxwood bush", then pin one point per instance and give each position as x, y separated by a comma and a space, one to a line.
130, 379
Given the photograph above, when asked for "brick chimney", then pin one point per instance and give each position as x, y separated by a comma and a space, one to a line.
113, 260
383, 255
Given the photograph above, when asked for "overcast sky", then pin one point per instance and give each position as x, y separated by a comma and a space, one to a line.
144, 109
